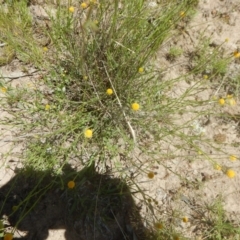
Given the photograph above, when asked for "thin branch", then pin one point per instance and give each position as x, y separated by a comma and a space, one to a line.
120, 104
224, 78
99, 99
118, 224
118, 43
16, 77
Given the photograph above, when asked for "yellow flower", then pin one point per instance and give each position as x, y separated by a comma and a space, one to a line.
217, 167
71, 184
233, 158
158, 225
205, 76
221, 101
232, 102
45, 49
71, 9
141, 70
47, 107
182, 14
229, 96
88, 133
135, 106
236, 54
151, 175
84, 5
85, 77
3, 89
109, 91
230, 173
185, 219
8, 236
227, 40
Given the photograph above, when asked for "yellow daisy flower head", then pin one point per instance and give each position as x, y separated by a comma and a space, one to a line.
71, 9
3, 89
232, 102
233, 158
71, 184
141, 70
236, 54
84, 5
47, 107
45, 49
185, 219
109, 91
221, 101
158, 225
230, 173
85, 77
205, 76
8, 236
151, 175
182, 14
135, 106
88, 133
226, 39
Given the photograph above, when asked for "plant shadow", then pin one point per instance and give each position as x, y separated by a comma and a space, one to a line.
99, 207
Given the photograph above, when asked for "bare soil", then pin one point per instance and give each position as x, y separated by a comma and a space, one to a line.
51, 219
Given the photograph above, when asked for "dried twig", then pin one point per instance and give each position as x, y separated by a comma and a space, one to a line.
16, 77
120, 104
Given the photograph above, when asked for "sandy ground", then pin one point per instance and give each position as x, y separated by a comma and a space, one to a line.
219, 20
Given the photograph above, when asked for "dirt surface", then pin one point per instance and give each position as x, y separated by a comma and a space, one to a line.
219, 20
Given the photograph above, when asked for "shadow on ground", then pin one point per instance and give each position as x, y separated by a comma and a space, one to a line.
97, 208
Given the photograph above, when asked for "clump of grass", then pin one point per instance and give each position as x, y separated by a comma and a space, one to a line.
217, 224
173, 53
98, 49
100, 96
17, 31
209, 59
